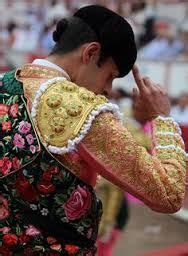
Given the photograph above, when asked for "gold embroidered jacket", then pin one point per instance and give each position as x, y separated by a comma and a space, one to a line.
97, 143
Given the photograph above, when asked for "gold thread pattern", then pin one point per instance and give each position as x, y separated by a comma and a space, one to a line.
157, 180
62, 111
54, 100
31, 82
36, 71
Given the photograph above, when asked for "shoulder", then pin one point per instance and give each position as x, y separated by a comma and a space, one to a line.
60, 94
63, 113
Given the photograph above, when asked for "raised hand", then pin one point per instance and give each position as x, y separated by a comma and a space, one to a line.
150, 100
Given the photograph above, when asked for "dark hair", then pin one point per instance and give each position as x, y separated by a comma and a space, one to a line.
95, 23
70, 34
11, 26
54, 2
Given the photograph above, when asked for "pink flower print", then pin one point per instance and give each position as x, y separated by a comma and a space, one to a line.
78, 203
4, 212
16, 163
4, 230
24, 127
4, 109
14, 110
89, 254
89, 233
30, 139
5, 165
32, 231
6, 126
18, 141
32, 149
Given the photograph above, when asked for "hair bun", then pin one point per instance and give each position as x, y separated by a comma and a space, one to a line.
60, 29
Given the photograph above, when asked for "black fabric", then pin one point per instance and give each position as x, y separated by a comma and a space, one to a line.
114, 33
20, 188
53, 227
123, 215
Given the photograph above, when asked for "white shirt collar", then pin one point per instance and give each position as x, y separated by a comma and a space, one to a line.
47, 63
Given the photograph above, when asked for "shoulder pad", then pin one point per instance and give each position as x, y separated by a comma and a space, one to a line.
61, 108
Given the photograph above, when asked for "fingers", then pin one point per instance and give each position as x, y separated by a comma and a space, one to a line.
154, 88
145, 85
147, 81
151, 87
161, 89
138, 79
135, 91
135, 94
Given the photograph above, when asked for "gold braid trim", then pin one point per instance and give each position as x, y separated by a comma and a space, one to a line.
63, 113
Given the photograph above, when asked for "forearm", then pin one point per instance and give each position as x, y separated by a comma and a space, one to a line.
157, 180
168, 148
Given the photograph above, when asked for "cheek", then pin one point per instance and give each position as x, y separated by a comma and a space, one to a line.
101, 83
108, 83
105, 83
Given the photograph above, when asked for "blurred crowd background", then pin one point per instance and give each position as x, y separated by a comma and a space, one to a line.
161, 31
160, 26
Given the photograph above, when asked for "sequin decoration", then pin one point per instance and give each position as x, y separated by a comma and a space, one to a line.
157, 180
62, 109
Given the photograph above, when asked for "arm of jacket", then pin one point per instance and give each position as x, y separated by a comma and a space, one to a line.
158, 180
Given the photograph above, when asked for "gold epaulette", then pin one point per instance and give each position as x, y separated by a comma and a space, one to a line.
62, 109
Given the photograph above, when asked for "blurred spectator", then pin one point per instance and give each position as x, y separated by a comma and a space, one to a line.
11, 27
184, 35
26, 39
180, 111
180, 115
122, 99
138, 5
30, 25
46, 40
165, 46
140, 16
57, 10
148, 35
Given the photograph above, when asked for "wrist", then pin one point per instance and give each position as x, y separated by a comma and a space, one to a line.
164, 115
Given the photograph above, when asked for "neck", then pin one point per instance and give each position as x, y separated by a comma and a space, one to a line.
64, 63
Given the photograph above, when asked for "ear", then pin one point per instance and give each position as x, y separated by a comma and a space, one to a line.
91, 52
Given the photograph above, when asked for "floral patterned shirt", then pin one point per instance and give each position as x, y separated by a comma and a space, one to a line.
44, 209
